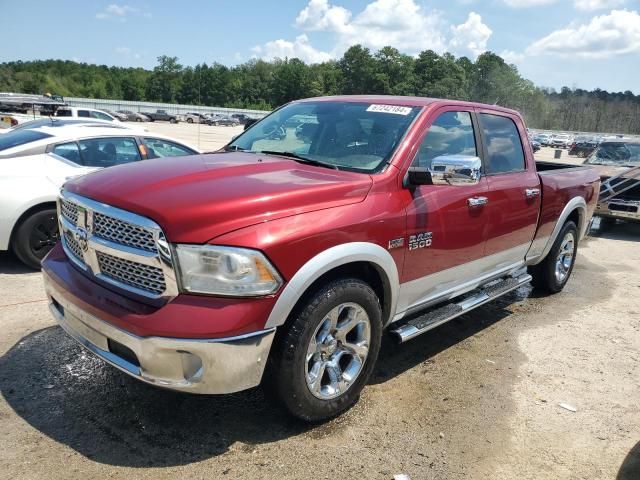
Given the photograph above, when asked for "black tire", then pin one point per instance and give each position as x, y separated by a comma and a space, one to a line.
189, 120
173, 120
288, 363
544, 274
138, 119
35, 237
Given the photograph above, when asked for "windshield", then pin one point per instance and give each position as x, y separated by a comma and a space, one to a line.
20, 137
616, 153
351, 136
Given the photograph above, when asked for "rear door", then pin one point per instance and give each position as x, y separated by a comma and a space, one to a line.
514, 194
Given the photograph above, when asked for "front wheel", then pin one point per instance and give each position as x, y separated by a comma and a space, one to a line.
552, 274
35, 237
325, 354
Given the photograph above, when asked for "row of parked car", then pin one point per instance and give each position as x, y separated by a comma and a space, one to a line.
578, 145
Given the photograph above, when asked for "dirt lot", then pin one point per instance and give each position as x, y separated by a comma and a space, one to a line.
476, 398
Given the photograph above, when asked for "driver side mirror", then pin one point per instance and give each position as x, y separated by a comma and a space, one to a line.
454, 170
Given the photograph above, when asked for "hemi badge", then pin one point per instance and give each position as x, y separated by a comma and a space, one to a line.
396, 243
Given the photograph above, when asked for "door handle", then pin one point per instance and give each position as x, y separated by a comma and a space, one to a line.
532, 192
477, 201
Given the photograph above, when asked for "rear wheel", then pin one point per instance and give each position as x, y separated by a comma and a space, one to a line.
35, 237
189, 120
552, 274
326, 353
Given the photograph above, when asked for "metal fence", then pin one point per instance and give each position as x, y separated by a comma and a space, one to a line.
152, 107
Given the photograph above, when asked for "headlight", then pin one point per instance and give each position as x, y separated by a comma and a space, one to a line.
226, 271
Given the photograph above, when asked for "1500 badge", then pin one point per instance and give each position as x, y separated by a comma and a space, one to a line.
421, 240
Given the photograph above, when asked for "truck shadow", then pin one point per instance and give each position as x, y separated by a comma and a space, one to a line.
630, 468
76, 399
628, 231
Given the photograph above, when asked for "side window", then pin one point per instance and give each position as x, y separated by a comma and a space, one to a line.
158, 148
106, 152
503, 144
101, 116
84, 113
450, 134
63, 112
69, 151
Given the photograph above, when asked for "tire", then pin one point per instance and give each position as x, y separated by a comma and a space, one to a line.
35, 237
189, 120
215, 124
138, 119
349, 303
552, 274
173, 120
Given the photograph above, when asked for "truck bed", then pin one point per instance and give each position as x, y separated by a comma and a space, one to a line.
544, 167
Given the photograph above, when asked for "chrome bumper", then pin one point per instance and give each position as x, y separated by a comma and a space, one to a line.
206, 366
618, 208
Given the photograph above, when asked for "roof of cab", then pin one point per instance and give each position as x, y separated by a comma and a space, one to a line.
407, 101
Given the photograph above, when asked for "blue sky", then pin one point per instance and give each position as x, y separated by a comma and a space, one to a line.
582, 43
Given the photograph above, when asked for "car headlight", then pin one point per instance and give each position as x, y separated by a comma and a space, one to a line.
229, 271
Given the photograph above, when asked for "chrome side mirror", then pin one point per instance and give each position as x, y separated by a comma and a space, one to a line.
455, 170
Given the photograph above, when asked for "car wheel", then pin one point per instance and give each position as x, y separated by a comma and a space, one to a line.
35, 237
173, 120
215, 124
324, 355
189, 120
138, 119
552, 274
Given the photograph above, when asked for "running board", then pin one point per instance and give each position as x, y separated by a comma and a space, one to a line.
438, 316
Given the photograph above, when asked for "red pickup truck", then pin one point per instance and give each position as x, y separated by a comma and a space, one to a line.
284, 257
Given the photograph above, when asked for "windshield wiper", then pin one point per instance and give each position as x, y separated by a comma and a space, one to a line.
300, 159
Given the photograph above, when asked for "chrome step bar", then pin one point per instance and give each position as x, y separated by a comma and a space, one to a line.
435, 317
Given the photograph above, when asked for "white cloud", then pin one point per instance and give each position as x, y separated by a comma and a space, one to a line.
512, 57
590, 5
604, 36
471, 36
300, 48
119, 12
403, 24
527, 3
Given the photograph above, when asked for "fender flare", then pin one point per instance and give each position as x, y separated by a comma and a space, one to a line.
328, 260
537, 255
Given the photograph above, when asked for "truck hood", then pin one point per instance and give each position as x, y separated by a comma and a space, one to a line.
195, 199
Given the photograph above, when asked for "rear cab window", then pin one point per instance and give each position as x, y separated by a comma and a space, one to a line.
502, 142
20, 137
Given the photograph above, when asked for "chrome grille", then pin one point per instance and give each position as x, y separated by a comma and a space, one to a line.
69, 210
124, 233
117, 247
144, 277
73, 245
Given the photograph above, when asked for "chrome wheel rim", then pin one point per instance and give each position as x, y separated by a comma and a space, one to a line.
565, 257
337, 351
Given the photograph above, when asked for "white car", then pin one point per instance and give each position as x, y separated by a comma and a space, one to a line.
35, 162
81, 112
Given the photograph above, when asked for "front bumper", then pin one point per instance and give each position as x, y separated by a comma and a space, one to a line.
196, 365
619, 208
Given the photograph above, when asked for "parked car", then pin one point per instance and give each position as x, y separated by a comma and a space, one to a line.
618, 161
242, 118
134, 116
195, 117
80, 112
120, 116
560, 141
222, 120
535, 146
292, 257
35, 162
162, 115
543, 138
583, 148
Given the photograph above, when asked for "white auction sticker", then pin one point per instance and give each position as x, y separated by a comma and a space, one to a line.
389, 109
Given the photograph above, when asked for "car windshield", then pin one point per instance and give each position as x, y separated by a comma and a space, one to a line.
352, 136
20, 137
616, 153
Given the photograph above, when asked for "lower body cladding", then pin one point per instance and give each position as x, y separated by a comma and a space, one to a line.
215, 366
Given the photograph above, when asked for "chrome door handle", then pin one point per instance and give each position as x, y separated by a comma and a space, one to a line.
532, 192
477, 201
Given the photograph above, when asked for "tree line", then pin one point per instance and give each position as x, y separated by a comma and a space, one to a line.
263, 85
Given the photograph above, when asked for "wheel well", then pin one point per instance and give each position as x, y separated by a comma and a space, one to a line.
576, 218
27, 214
369, 273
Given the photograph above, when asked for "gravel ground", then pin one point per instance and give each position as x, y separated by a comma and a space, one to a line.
476, 398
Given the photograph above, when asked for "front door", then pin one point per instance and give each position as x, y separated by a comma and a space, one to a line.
446, 236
